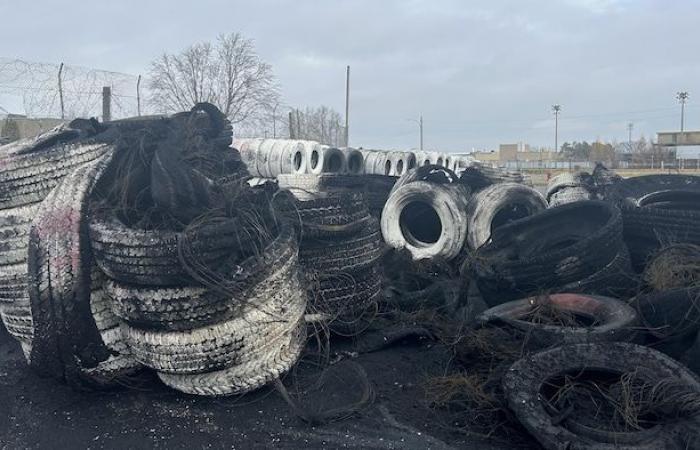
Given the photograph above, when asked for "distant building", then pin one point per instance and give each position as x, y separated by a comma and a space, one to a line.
685, 145
15, 126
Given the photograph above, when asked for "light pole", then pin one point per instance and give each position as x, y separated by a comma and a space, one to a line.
682, 97
420, 129
629, 135
556, 109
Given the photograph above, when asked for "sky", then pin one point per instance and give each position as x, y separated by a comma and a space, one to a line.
481, 73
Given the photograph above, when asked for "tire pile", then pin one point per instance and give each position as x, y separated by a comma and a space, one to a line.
138, 244
340, 248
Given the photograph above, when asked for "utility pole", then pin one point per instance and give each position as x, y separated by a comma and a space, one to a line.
106, 104
60, 90
682, 97
556, 109
138, 95
347, 106
274, 121
291, 126
629, 134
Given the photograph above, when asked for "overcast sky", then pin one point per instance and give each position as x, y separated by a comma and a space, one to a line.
480, 72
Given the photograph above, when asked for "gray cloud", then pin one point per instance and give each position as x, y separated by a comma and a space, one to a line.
481, 73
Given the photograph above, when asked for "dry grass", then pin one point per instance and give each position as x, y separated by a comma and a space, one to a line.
675, 266
624, 403
546, 312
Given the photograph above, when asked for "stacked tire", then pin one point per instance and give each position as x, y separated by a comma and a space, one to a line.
569, 187
340, 249
577, 247
29, 170
203, 340
657, 210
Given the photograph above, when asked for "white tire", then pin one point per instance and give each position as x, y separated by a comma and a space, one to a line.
427, 219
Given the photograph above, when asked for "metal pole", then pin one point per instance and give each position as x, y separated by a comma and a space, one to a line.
274, 121
291, 126
347, 106
556, 109
421, 132
138, 95
60, 91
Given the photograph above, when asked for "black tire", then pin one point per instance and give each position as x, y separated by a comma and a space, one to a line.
526, 380
554, 248
66, 341
612, 319
498, 205
617, 279
151, 258
18, 322
343, 255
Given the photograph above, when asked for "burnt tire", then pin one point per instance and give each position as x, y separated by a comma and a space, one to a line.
526, 382
334, 214
67, 343
13, 285
269, 311
245, 377
498, 205
570, 195
347, 254
610, 319
554, 248
151, 257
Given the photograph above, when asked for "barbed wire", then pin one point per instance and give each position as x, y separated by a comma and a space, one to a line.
38, 85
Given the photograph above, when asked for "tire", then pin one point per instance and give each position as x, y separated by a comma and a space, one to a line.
18, 322
498, 205
554, 248
613, 320
344, 254
151, 258
524, 382
336, 214
55, 136
617, 279
13, 285
354, 161
324, 159
310, 187
269, 311
269, 158
245, 377
431, 173
568, 180
637, 190
444, 206
377, 163
345, 294
66, 339
14, 234
570, 195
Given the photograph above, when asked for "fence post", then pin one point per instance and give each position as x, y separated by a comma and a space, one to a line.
60, 91
138, 96
106, 104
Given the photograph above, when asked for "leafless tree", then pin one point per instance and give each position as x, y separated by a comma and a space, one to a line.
228, 73
322, 124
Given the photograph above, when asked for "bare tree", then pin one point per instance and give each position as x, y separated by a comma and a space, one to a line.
322, 124
228, 74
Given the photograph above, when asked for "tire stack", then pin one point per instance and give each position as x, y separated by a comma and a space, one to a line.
657, 210
577, 247
199, 339
339, 250
29, 170
569, 187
